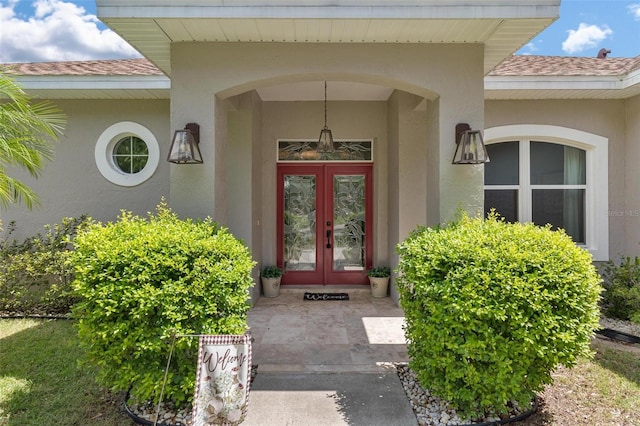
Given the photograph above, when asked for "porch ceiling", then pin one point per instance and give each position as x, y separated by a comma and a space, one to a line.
503, 26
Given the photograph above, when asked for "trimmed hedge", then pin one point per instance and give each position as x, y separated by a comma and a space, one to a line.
621, 297
35, 278
142, 281
492, 308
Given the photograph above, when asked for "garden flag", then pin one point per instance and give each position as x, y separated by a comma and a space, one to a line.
222, 380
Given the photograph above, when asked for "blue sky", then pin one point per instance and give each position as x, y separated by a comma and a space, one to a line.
63, 30
586, 26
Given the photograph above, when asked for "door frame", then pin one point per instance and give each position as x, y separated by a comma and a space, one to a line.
324, 172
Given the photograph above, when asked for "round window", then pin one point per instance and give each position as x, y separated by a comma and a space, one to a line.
131, 154
127, 154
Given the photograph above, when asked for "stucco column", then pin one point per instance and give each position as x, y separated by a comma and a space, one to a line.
461, 186
192, 186
407, 156
407, 159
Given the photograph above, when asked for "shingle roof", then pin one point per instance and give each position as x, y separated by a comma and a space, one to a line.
533, 65
516, 65
124, 67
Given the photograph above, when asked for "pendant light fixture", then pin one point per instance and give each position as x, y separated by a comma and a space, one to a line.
325, 141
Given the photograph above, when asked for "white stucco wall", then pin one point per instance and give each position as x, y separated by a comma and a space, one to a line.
71, 185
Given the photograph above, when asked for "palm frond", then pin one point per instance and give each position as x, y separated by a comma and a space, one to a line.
27, 133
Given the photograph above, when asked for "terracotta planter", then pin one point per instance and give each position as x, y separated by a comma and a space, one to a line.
379, 286
271, 286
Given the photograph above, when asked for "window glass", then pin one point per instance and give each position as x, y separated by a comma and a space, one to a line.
503, 169
550, 164
566, 186
554, 164
562, 208
130, 154
504, 201
306, 150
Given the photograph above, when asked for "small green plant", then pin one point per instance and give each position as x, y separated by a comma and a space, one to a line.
34, 275
492, 308
271, 271
621, 296
379, 272
142, 281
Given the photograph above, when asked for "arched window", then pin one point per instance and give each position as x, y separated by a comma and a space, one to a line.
550, 174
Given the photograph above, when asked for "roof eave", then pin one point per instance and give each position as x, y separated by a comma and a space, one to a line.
95, 86
152, 25
562, 87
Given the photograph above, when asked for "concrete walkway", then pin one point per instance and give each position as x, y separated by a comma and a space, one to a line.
327, 362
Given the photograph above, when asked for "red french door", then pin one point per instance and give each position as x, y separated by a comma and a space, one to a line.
325, 223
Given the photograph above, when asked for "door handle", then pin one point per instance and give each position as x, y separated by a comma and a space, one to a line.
328, 238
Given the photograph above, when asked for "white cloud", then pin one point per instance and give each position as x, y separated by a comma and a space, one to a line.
529, 49
57, 31
634, 9
585, 37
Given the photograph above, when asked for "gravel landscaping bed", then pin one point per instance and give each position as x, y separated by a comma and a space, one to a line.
433, 411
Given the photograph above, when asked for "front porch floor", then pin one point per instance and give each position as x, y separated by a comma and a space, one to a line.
362, 334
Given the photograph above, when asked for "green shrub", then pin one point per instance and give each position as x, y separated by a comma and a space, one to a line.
271, 271
34, 275
379, 272
621, 296
492, 308
144, 280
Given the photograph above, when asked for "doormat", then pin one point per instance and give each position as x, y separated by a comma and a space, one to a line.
326, 296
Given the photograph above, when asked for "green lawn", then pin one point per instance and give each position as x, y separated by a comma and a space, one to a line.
41, 382
603, 392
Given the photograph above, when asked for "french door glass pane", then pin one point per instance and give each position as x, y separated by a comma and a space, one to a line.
348, 219
503, 169
554, 164
299, 223
504, 201
562, 208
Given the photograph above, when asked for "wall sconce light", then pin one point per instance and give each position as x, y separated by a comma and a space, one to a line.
185, 147
470, 147
325, 141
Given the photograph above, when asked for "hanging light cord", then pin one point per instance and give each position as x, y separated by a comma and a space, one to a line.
325, 104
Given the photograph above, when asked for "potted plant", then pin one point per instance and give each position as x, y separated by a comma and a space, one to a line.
379, 280
270, 277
